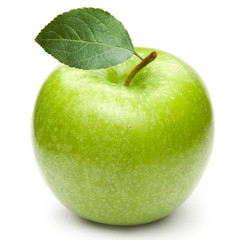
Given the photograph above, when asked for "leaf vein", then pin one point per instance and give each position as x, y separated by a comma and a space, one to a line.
80, 19
85, 59
104, 26
72, 30
82, 41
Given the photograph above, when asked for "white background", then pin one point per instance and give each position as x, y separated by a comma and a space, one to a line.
204, 33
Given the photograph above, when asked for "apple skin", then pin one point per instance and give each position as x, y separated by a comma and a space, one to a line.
123, 155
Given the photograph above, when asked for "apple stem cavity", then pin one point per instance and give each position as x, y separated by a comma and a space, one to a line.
140, 66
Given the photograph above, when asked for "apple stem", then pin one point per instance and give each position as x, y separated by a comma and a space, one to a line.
140, 66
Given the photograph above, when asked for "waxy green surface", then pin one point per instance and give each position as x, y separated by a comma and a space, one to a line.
123, 155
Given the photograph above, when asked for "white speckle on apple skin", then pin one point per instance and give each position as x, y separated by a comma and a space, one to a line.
102, 169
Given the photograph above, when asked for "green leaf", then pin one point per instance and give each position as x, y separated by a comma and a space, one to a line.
86, 38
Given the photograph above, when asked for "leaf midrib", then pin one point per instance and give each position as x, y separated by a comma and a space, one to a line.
86, 42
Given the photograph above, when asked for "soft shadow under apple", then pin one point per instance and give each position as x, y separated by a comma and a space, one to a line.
189, 215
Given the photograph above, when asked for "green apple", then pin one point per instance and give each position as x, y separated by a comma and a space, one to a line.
123, 155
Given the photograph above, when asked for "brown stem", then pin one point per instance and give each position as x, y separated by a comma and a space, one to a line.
140, 66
